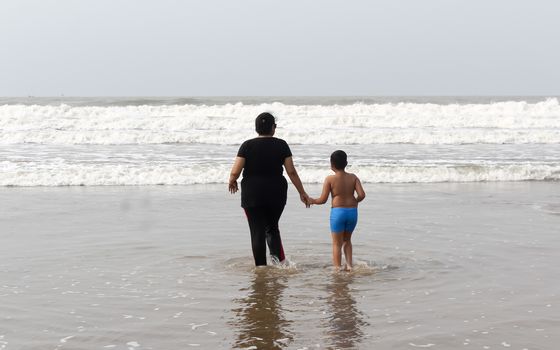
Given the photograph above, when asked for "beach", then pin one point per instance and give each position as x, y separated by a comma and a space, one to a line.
124, 125
438, 265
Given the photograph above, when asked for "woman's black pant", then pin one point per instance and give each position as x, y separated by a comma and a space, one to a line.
263, 224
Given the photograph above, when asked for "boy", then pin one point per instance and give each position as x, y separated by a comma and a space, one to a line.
344, 211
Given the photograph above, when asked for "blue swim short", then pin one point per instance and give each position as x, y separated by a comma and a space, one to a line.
343, 219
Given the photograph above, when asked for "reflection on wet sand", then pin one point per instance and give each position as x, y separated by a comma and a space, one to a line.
259, 319
345, 321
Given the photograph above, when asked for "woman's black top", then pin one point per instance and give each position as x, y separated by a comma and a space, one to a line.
263, 183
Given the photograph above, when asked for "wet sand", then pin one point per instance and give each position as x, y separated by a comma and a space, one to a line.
439, 266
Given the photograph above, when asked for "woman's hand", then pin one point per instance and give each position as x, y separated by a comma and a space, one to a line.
233, 187
305, 199
310, 201
234, 175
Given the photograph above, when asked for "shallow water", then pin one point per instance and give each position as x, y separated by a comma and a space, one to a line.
439, 266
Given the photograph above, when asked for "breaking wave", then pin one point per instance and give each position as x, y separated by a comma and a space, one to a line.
511, 122
121, 175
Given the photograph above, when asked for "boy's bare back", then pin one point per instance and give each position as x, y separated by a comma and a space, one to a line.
342, 189
342, 186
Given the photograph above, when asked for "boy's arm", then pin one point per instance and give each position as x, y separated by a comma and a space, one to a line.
325, 193
359, 190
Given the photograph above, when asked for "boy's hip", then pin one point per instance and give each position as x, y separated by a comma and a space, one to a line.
347, 213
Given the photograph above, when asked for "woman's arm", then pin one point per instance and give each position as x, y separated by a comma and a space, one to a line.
292, 173
359, 190
324, 194
235, 173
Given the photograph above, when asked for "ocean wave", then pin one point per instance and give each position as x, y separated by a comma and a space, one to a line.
312, 137
417, 123
31, 174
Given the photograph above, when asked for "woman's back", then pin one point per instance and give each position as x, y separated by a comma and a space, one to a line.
264, 156
263, 183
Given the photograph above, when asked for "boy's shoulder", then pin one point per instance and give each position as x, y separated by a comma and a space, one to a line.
352, 177
329, 179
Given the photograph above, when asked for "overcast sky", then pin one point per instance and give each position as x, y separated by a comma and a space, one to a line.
287, 47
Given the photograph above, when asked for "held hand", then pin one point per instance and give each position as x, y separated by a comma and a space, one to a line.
310, 202
233, 187
305, 199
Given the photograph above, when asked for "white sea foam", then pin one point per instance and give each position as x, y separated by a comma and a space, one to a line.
12, 174
63, 145
358, 123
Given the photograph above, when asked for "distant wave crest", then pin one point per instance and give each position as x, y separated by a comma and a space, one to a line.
417, 123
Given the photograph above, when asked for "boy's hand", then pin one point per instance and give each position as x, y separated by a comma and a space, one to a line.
305, 199
233, 187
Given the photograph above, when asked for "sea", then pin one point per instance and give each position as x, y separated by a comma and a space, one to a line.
66, 141
117, 230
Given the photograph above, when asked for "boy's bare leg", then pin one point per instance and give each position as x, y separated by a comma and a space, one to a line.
347, 245
336, 249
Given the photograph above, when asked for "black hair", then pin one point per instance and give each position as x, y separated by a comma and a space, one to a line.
264, 123
339, 160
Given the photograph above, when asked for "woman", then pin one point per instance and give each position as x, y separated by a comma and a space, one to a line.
264, 188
